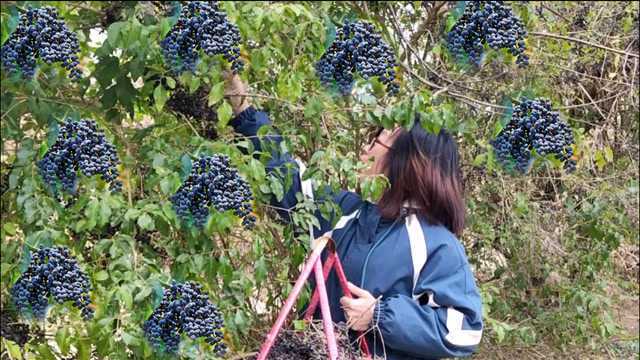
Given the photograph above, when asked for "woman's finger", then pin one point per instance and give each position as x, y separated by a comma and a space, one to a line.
227, 75
356, 291
346, 302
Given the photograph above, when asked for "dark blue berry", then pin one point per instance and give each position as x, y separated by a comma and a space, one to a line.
213, 182
80, 146
534, 125
487, 22
201, 26
357, 48
52, 273
184, 309
40, 34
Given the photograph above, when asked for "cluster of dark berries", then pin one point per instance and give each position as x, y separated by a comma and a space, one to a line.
184, 309
41, 34
534, 125
488, 22
80, 146
52, 272
194, 105
213, 182
357, 48
201, 26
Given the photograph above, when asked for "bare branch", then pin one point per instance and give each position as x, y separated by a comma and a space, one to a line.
584, 42
423, 27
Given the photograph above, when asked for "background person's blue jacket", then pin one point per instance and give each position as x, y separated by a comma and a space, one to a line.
430, 307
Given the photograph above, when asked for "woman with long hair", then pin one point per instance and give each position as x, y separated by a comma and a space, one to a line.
409, 274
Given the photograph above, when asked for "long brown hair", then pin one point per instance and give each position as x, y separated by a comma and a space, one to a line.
423, 168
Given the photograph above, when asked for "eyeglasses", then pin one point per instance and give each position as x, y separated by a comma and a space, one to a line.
373, 139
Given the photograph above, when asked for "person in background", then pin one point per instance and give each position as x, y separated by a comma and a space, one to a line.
408, 272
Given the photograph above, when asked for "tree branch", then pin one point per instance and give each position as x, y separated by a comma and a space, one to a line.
584, 42
466, 99
423, 27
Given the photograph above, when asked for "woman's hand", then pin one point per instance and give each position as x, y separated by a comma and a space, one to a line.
234, 91
359, 310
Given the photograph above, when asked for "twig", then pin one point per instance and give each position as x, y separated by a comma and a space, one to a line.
244, 356
556, 13
593, 102
584, 42
584, 74
78, 5
191, 126
297, 107
443, 89
591, 99
423, 26
13, 106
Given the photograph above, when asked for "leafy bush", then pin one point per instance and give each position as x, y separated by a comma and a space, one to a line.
554, 232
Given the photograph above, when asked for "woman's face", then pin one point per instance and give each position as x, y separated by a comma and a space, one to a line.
374, 152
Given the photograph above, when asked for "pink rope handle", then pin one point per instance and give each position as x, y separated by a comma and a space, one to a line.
321, 243
332, 344
334, 260
315, 298
342, 278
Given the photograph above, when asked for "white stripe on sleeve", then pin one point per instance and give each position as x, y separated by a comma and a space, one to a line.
457, 336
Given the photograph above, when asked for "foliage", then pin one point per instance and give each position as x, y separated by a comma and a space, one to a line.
555, 231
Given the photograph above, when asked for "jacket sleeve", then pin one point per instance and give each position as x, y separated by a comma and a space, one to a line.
445, 320
282, 165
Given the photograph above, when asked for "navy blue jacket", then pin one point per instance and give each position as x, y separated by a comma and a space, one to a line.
430, 307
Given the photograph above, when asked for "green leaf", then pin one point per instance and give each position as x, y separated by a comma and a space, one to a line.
257, 170
185, 161
299, 325
261, 269
9, 228
107, 70
608, 154
105, 213
224, 113
113, 33
277, 189
194, 84
266, 189
13, 349
45, 352
160, 97
101, 275
146, 222
313, 108
171, 82
146, 291
126, 92
239, 320
216, 93
84, 349
500, 333
219, 223
124, 294
166, 186
131, 214
130, 339
62, 339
